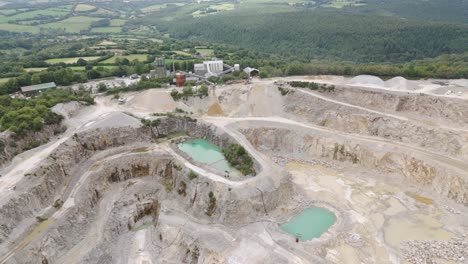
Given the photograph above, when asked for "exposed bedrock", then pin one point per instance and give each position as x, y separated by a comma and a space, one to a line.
39, 188
424, 106
415, 167
100, 185
351, 120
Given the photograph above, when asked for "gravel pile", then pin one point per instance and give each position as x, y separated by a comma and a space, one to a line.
282, 161
422, 252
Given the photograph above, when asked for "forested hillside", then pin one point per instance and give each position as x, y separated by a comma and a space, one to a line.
329, 35
436, 10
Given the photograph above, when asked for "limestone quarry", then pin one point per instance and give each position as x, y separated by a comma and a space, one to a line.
386, 161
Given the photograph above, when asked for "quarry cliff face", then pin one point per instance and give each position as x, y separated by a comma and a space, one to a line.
11, 145
119, 178
414, 167
351, 120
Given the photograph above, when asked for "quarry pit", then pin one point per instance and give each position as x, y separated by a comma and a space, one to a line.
387, 161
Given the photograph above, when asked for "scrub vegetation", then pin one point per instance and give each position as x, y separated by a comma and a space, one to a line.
239, 158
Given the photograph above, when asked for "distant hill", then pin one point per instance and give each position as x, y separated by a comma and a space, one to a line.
333, 35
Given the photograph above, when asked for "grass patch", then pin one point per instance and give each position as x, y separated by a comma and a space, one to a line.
205, 52
106, 43
20, 28
138, 57
117, 22
182, 53
107, 30
39, 69
4, 80
56, 12
73, 24
84, 8
70, 60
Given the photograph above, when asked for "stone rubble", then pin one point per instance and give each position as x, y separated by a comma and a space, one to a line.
452, 210
282, 161
422, 252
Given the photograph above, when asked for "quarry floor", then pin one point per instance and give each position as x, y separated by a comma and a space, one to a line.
377, 213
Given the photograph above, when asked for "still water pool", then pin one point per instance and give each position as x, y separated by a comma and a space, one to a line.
203, 151
310, 223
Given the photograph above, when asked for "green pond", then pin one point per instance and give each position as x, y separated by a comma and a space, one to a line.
203, 151
310, 223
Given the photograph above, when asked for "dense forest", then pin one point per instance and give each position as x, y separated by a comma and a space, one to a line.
329, 35
436, 10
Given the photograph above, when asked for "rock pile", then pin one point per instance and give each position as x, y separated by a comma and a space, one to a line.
282, 161
421, 252
452, 210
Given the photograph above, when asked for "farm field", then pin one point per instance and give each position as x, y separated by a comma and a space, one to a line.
4, 80
38, 69
73, 24
139, 57
84, 8
117, 22
107, 30
70, 60
205, 52
19, 28
49, 12
182, 53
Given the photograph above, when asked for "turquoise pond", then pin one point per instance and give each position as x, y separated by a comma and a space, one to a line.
204, 152
310, 223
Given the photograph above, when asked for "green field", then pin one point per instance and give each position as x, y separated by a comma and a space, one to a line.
19, 28
35, 69
109, 67
117, 22
153, 8
182, 53
107, 30
4, 80
205, 52
106, 43
139, 57
48, 12
84, 8
223, 7
73, 24
70, 60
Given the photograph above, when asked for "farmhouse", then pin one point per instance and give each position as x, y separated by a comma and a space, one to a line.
35, 89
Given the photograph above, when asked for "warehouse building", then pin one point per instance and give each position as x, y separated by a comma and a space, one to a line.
36, 89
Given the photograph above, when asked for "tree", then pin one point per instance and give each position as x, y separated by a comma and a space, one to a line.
203, 90
36, 79
81, 62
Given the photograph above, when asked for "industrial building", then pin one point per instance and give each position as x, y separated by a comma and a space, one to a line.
159, 68
213, 68
252, 72
36, 89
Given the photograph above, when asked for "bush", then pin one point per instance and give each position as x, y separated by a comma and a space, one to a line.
237, 157
101, 88
192, 175
203, 90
